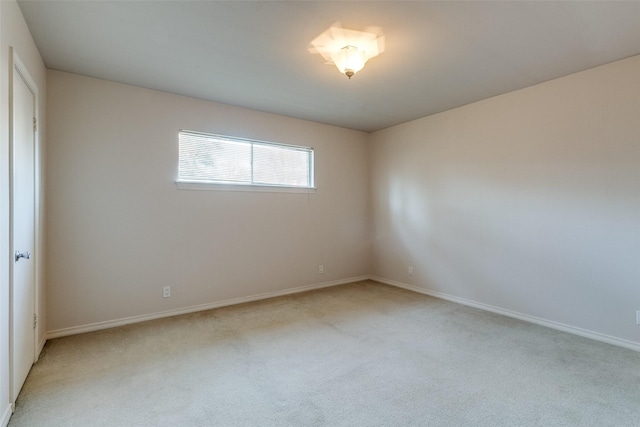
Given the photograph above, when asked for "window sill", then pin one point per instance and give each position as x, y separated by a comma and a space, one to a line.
211, 186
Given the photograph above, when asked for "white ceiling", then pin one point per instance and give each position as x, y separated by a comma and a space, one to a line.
439, 55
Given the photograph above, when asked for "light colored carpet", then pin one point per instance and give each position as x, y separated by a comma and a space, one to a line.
363, 354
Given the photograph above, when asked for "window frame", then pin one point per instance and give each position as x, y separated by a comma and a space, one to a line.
248, 186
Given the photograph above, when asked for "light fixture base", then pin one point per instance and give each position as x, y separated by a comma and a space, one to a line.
349, 73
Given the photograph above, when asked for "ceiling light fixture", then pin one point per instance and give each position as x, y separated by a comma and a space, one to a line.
349, 50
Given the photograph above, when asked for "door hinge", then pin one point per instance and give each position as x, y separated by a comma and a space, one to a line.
35, 124
35, 321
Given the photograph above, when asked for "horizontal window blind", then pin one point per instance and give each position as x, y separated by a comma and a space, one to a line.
221, 159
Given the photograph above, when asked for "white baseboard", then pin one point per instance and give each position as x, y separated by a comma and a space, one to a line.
632, 345
509, 313
4, 421
40, 347
143, 318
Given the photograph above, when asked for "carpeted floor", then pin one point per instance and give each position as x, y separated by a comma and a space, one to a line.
363, 354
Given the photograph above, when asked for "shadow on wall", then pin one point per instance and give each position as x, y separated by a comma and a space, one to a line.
525, 239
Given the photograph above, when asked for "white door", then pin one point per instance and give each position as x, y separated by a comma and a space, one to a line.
23, 228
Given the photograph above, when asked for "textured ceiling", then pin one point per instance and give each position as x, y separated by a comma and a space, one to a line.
439, 55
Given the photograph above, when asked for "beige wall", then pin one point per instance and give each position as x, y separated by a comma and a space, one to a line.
529, 201
526, 202
119, 229
14, 33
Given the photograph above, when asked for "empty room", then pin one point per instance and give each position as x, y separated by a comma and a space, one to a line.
319, 213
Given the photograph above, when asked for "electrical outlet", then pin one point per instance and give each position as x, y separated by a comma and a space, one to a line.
638, 317
321, 269
166, 292
410, 271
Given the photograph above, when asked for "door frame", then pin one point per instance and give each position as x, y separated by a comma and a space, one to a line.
16, 65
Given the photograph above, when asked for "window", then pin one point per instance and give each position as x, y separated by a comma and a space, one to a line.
207, 160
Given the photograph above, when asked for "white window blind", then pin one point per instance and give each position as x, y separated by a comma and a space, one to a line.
206, 158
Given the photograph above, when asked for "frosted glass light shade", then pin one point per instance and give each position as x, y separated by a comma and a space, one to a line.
349, 50
350, 59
